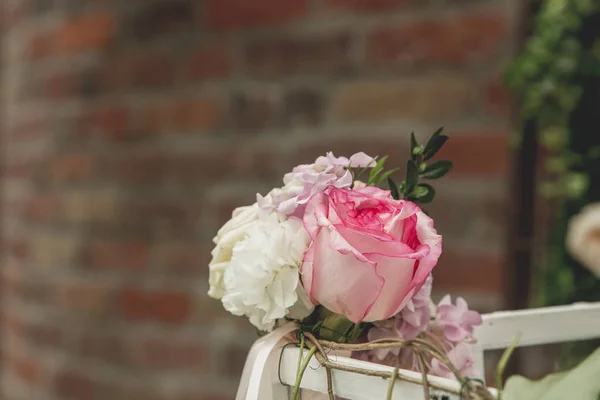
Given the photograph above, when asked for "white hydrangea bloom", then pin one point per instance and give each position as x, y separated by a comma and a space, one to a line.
232, 232
262, 280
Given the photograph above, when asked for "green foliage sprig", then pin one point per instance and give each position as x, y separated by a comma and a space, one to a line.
417, 168
556, 81
548, 80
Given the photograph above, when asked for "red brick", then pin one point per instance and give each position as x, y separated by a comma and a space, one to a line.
235, 14
18, 170
163, 306
13, 323
467, 271
477, 153
113, 122
176, 257
234, 362
191, 168
196, 114
478, 212
150, 70
182, 114
71, 167
497, 97
170, 307
29, 129
317, 54
39, 46
252, 111
160, 17
43, 208
35, 292
174, 216
115, 255
74, 385
83, 297
172, 354
210, 63
134, 304
365, 5
472, 36
44, 335
60, 85
19, 249
86, 32
438, 97
111, 349
308, 153
26, 369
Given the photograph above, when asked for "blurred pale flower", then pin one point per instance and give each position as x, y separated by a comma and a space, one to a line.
583, 238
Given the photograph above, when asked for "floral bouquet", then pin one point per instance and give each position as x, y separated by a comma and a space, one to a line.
349, 262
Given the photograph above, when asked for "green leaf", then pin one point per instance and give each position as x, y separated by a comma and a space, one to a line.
504, 362
580, 382
423, 193
385, 175
412, 176
433, 146
437, 169
393, 189
437, 133
376, 170
414, 145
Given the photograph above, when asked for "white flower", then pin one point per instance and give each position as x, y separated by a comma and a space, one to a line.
583, 237
232, 232
262, 280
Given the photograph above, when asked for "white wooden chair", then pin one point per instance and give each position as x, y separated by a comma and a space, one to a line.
579, 321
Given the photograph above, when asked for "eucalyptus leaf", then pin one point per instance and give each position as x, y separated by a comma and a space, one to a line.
437, 133
412, 176
437, 169
433, 146
393, 189
414, 146
423, 193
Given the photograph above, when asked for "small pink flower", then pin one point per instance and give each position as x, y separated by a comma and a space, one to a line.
461, 357
308, 179
383, 330
414, 318
457, 320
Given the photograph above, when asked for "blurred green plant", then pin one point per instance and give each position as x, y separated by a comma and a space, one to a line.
556, 80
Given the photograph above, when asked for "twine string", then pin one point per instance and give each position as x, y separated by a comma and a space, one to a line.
470, 389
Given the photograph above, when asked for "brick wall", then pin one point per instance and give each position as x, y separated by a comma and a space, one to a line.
132, 128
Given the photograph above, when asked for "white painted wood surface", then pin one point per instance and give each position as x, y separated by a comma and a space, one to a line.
359, 387
536, 326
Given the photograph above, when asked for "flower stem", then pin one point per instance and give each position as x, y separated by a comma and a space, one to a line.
390, 390
300, 372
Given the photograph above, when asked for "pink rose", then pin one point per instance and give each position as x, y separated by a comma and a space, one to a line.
369, 253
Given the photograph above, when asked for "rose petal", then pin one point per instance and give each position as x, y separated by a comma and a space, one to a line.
347, 285
397, 273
